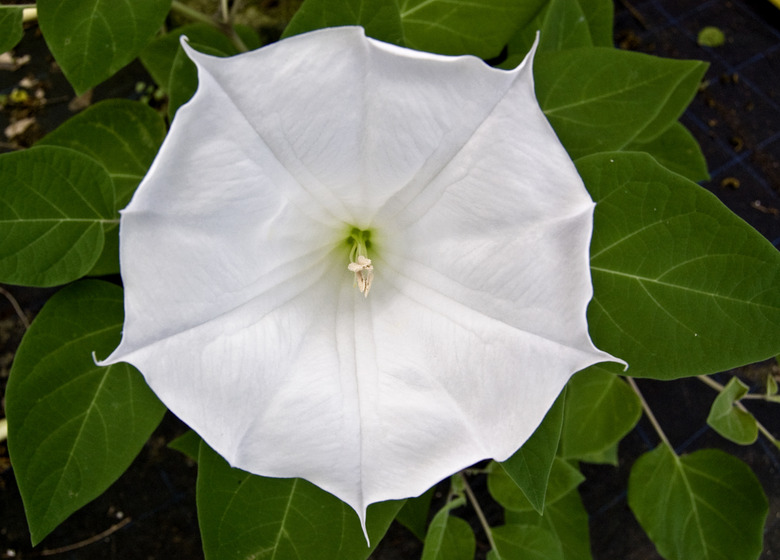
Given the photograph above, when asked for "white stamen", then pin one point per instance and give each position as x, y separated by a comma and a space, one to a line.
364, 273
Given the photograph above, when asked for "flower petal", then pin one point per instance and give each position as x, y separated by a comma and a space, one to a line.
359, 119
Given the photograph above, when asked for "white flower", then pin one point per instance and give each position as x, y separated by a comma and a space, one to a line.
328, 161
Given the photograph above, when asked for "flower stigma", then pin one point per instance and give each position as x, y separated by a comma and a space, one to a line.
359, 263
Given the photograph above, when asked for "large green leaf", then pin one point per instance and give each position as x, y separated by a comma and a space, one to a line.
728, 420
601, 99
73, 426
55, 207
478, 28
530, 466
246, 516
10, 27
703, 506
563, 479
600, 409
449, 537
564, 27
600, 15
525, 542
667, 257
380, 18
92, 39
124, 137
566, 518
677, 150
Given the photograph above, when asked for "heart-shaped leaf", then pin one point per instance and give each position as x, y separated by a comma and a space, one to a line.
74, 427
668, 257
728, 420
700, 506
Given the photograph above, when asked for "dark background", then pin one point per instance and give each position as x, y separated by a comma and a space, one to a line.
149, 512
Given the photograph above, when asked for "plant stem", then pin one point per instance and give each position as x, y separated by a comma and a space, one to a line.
720, 388
650, 415
480, 514
711, 382
223, 4
225, 27
185, 10
18, 308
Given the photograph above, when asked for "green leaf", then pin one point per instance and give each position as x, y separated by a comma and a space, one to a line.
92, 39
11, 30
525, 542
414, 514
564, 27
677, 150
247, 516
704, 505
74, 427
124, 137
187, 443
158, 56
478, 28
600, 15
530, 466
566, 518
439, 26
380, 18
55, 207
728, 420
600, 410
563, 479
599, 99
449, 537
667, 257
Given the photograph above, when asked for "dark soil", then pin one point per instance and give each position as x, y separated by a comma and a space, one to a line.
149, 513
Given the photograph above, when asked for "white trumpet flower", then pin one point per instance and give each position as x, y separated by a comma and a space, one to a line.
330, 161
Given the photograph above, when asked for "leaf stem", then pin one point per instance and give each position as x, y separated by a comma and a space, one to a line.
225, 27
185, 10
480, 514
649, 412
223, 5
18, 308
720, 388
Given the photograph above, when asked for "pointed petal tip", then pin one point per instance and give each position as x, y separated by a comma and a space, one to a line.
529, 58
365, 530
